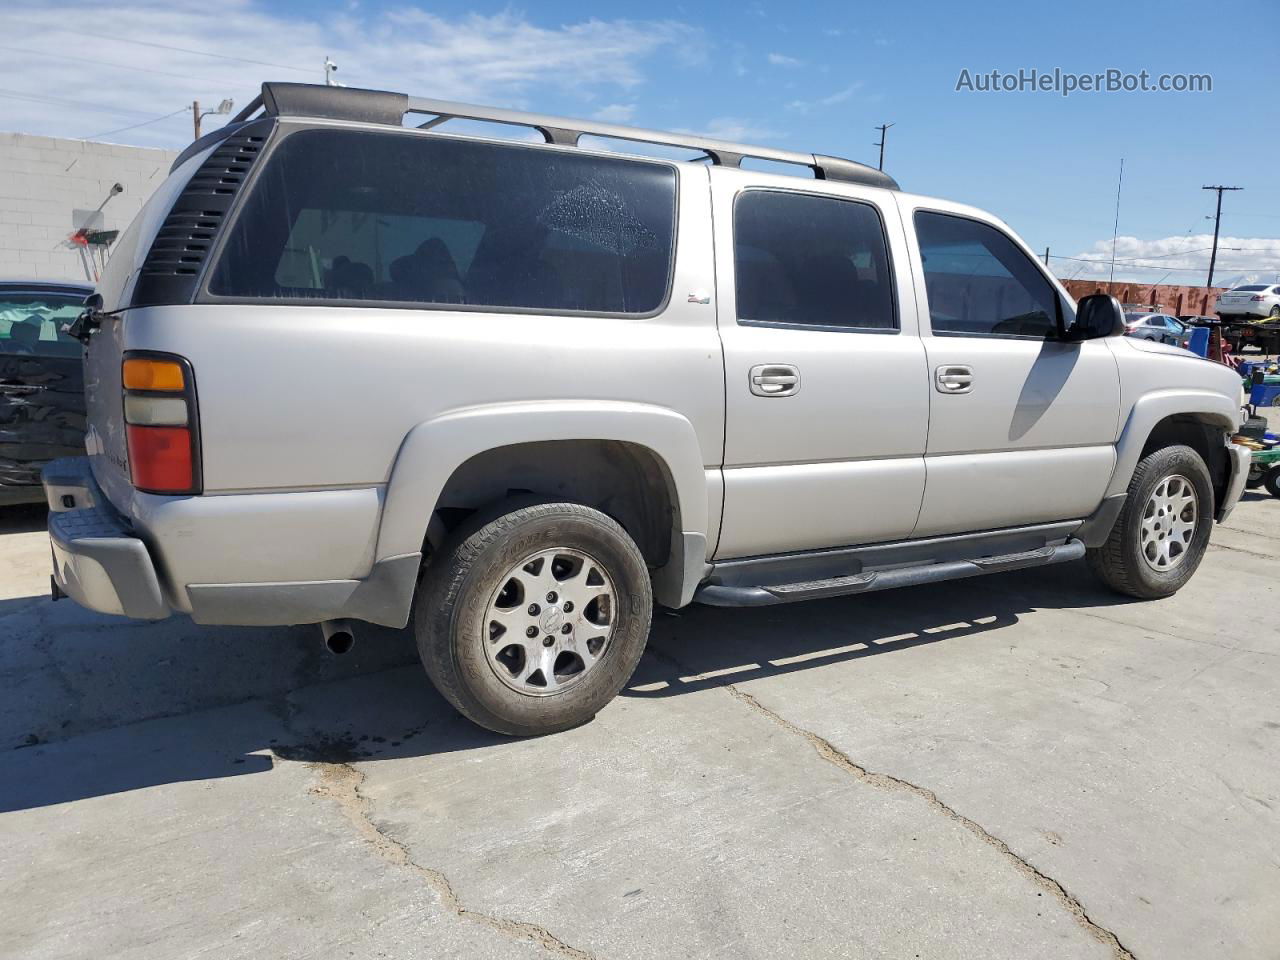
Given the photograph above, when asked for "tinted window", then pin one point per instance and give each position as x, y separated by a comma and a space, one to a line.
819, 261
1252, 289
31, 324
340, 215
979, 283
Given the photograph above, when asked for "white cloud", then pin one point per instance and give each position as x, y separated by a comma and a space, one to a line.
616, 113
97, 76
734, 129
830, 100
782, 60
1182, 260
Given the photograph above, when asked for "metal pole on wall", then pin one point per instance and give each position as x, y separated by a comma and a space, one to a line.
1217, 221
1115, 230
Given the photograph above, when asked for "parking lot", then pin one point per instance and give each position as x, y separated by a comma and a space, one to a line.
1023, 765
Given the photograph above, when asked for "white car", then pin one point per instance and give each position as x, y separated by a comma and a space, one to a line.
1254, 300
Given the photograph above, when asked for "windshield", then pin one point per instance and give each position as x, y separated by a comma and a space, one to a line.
30, 324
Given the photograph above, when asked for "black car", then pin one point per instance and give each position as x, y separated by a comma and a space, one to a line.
41, 384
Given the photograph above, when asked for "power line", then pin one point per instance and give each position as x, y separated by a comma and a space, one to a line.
105, 63
59, 101
165, 46
135, 126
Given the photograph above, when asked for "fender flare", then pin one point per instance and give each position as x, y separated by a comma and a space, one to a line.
434, 449
1206, 405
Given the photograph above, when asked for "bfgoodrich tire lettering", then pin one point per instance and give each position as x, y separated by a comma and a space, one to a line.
455, 614
1170, 475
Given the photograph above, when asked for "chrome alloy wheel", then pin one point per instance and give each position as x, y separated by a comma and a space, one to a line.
1169, 523
549, 621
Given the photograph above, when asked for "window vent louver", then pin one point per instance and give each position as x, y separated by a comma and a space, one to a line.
181, 245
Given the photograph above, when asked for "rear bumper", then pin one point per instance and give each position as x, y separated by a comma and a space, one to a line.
219, 559
97, 560
1249, 310
1240, 457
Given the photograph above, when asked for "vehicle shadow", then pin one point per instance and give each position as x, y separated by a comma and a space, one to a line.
92, 706
702, 647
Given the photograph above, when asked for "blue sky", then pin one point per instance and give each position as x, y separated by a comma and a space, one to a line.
814, 76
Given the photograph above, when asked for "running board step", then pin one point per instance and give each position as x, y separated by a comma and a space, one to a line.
718, 595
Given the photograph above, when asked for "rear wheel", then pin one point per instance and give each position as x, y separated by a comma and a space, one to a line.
1275, 311
531, 622
1161, 534
1272, 481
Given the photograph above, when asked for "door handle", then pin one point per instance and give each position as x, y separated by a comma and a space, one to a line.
774, 380
954, 378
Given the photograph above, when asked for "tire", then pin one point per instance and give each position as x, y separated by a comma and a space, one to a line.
1123, 561
1275, 312
480, 591
1272, 481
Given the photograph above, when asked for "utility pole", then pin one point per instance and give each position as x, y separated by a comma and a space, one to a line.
883, 128
1217, 222
1046, 256
195, 117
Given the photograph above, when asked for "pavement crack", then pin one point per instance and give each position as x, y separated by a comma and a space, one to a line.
831, 754
341, 782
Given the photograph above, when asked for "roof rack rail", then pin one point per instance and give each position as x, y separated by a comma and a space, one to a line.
378, 106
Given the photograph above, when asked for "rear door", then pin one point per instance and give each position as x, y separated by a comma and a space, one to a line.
826, 391
1022, 425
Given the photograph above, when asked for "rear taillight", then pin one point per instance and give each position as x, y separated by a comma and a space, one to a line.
1258, 298
161, 423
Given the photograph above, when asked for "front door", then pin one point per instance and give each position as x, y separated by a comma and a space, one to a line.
1022, 425
825, 379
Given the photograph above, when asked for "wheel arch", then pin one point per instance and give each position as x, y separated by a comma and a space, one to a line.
640, 464
1198, 419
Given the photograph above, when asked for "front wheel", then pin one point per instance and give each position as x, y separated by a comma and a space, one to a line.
533, 621
1161, 534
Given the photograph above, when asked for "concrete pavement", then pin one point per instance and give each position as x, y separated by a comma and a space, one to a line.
1022, 765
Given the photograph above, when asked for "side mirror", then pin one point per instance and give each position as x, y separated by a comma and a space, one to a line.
1097, 315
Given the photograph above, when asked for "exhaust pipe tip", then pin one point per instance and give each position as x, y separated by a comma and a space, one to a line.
339, 636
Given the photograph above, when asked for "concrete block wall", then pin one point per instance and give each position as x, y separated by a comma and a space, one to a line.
43, 179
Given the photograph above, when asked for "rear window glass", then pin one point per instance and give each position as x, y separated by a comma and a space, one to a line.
31, 324
1249, 289
341, 215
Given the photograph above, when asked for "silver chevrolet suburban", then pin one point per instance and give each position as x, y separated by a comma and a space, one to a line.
347, 366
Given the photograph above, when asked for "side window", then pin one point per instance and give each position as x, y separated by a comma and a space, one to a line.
813, 261
345, 215
979, 283
31, 325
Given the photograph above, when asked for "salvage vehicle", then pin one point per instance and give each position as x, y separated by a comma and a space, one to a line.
1156, 326
41, 383
343, 369
1249, 302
